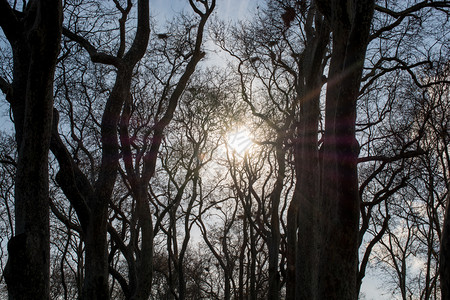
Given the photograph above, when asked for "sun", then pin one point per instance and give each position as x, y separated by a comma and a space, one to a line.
239, 141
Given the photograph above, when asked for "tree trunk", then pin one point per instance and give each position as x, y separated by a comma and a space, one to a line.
302, 257
445, 255
350, 23
253, 253
145, 257
35, 50
273, 240
242, 251
91, 202
95, 284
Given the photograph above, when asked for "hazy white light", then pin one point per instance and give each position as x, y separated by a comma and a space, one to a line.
239, 141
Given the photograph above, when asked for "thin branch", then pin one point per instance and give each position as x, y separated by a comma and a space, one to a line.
61, 217
400, 16
5, 86
403, 155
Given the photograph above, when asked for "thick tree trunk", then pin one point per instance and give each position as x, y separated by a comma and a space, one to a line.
91, 201
445, 255
35, 49
95, 284
144, 260
307, 194
291, 245
338, 212
350, 23
272, 244
302, 256
302, 248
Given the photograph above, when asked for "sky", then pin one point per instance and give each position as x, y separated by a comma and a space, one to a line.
236, 10
233, 10
228, 9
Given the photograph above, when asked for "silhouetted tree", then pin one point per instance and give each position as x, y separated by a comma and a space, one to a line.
34, 33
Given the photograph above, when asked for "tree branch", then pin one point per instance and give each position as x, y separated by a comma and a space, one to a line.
96, 57
73, 182
123, 283
198, 54
61, 217
403, 155
365, 260
400, 16
8, 21
412, 9
140, 42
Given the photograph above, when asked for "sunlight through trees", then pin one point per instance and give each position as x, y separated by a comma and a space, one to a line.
196, 150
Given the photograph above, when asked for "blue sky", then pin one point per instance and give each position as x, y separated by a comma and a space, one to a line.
238, 10
228, 9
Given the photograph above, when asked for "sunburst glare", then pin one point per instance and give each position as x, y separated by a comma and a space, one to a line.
239, 141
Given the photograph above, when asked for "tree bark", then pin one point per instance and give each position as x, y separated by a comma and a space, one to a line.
139, 178
302, 257
350, 22
445, 255
274, 236
91, 201
34, 36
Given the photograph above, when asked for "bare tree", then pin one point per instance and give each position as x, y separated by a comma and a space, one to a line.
347, 105
92, 187
34, 32
91, 200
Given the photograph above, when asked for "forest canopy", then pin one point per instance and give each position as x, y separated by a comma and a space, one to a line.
290, 154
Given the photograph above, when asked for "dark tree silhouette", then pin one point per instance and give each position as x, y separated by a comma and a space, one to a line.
34, 34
